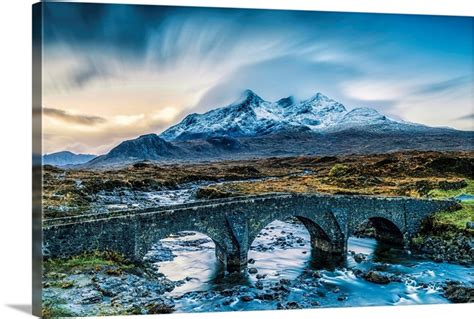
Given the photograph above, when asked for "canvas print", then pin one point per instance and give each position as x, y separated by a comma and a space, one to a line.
193, 159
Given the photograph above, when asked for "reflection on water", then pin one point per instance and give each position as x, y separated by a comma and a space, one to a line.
282, 251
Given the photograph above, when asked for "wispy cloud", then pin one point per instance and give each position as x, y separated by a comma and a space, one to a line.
467, 117
72, 118
445, 86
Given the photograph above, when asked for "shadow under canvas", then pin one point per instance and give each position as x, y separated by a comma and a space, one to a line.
21, 307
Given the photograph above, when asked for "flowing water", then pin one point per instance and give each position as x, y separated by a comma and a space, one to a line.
282, 251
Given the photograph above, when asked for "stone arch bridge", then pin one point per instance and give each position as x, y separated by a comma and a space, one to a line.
234, 223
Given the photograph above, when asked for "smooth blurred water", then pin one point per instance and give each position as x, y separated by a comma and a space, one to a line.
277, 258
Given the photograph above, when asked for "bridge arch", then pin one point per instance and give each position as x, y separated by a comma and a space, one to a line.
150, 235
388, 228
194, 247
328, 242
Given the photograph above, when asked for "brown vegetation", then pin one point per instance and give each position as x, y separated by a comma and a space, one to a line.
402, 173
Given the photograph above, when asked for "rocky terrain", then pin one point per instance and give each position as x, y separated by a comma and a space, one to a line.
72, 191
103, 284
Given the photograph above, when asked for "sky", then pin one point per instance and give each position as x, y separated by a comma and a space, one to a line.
114, 72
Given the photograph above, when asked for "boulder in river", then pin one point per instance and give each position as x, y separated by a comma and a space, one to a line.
160, 306
253, 270
359, 257
377, 277
246, 298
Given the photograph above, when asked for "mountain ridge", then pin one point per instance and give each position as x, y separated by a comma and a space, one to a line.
254, 128
253, 116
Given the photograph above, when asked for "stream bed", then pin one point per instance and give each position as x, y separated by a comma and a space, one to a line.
282, 274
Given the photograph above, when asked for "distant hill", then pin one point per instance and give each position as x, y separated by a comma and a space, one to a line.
145, 147
66, 158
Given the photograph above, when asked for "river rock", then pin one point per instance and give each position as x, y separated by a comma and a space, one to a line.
359, 257
292, 305
227, 292
459, 293
253, 270
342, 297
285, 281
160, 306
90, 297
377, 277
457, 249
110, 286
259, 284
269, 295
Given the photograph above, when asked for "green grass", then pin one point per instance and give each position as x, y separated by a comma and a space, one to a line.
439, 193
87, 261
456, 219
338, 170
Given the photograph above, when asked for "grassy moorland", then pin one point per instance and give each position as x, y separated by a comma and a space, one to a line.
416, 174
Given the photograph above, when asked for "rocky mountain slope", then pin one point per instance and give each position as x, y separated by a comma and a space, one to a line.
252, 127
252, 116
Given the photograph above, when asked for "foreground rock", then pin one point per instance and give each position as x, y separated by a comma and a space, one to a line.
377, 277
98, 285
459, 249
458, 292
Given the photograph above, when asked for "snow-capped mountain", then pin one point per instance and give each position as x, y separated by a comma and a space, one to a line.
253, 128
253, 116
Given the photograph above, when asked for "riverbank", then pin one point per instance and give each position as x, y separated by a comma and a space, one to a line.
448, 236
103, 283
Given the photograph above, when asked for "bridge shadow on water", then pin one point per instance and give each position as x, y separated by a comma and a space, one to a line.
391, 253
221, 278
322, 260
380, 251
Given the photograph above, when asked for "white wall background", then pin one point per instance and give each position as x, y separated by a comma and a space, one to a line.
15, 150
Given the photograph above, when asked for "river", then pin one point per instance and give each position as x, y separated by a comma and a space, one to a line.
282, 251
